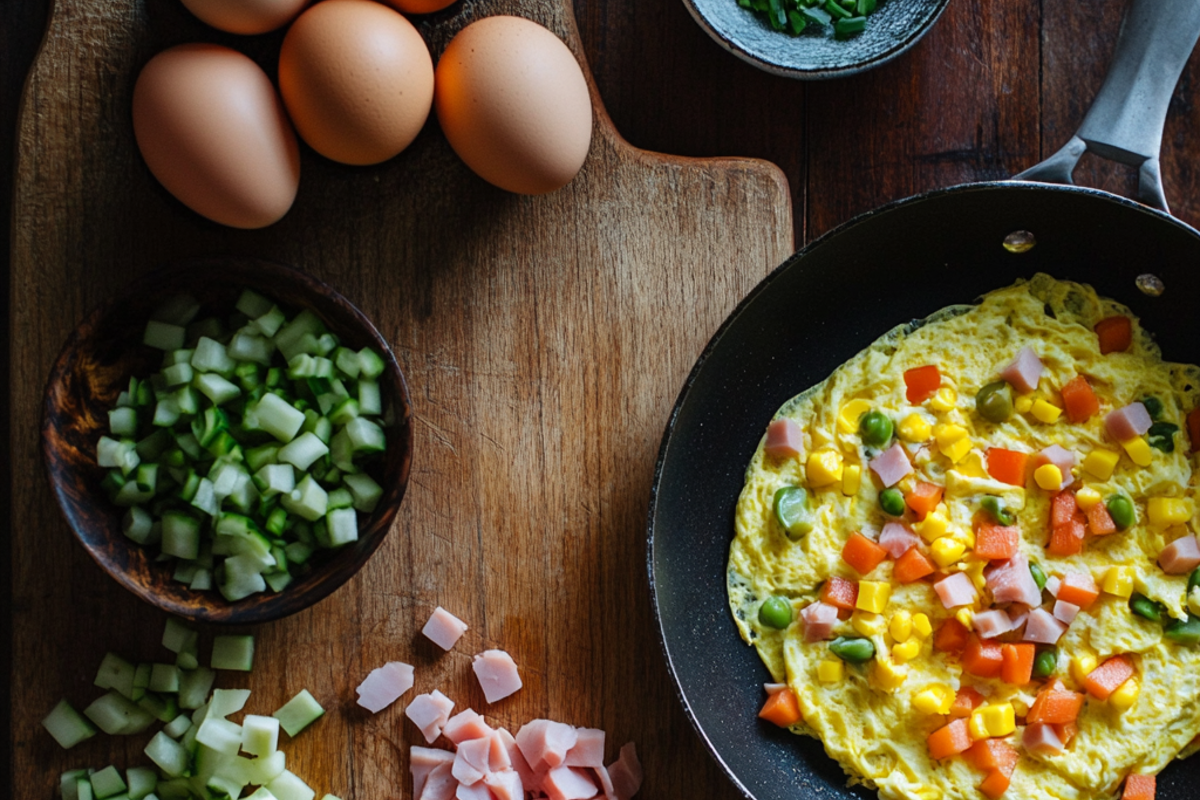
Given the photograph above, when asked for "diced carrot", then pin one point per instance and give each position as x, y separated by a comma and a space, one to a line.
1055, 706
949, 740
951, 637
1066, 732
1007, 466
1100, 522
967, 700
1140, 787
1067, 540
924, 498
1079, 400
982, 658
997, 542
1115, 334
1078, 589
781, 708
840, 592
1062, 508
862, 553
922, 383
1104, 679
1193, 428
995, 784
912, 566
989, 754
1017, 668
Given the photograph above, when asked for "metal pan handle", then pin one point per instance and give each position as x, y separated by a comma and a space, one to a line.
1125, 122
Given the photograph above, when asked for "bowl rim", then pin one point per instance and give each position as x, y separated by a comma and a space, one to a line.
178, 276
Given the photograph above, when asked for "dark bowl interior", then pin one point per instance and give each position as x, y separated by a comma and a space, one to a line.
895, 26
95, 366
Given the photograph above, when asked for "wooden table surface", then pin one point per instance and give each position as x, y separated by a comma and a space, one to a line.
544, 341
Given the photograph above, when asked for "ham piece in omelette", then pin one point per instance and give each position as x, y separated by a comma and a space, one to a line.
1026, 623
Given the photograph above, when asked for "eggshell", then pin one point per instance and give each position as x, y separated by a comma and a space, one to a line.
419, 6
212, 130
246, 16
513, 102
357, 79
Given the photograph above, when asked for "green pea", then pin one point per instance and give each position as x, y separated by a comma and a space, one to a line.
1184, 631
853, 649
892, 502
875, 428
1120, 508
1145, 607
792, 512
775, 612
1039, 575
994, 402
1154, 407
1161, 436
1046, 663
993, 506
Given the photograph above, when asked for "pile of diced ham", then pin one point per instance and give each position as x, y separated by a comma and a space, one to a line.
545, 759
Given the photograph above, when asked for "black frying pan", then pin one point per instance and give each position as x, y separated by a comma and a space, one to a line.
829, 301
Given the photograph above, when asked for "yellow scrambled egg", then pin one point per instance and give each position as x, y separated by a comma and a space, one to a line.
875, 717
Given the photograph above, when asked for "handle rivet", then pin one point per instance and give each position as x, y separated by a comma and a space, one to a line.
1019, 242
1150, 284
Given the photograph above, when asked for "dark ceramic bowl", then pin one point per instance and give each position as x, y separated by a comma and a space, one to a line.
895, 26
95, 366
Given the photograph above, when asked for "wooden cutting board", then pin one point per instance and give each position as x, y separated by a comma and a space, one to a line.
543, 339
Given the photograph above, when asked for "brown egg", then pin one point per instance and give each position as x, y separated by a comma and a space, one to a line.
419, 6
246, 16
357, 80
514, 104
212, 130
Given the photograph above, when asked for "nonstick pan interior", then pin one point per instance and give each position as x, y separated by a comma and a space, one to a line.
826, 303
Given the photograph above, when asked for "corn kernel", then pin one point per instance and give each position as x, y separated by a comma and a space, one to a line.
1045, 412
977, 725
923, 627
945, 399
1101, 463
933, 527
965, 616
1118, 581
1082, 666
902, 626
868, 624
927, 701
848, 416
967, 537
1125, 695
1048, 476
957, 451
947, 550
907, 483
1167, 511
824, 468
906, 651
948, 434
972, 465
851, 479
873, 596
1023, 403
1139, 451
889, 676
1000, 719
914, 428
974, 570
1087, 497
831, 671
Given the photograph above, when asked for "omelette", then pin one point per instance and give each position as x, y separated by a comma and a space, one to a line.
968, 558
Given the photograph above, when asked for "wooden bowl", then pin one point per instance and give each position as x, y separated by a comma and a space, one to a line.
95, 366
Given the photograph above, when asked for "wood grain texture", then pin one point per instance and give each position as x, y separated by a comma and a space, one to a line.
543, 339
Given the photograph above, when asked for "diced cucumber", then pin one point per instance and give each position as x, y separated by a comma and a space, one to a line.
279, 418
299, 335
116, 673
243, 577
130, 495
141, 675
117, 716
194, 686
220, 734
269, 323
179, 309
227, 701
123, 422
181, 531
189, 657
371, 363
202, 580
178, 726
277, 580
178, 374
177, 636
307, 500
164, 336
163, 707
317, 425
347, 362
365, 490
302, 451
289, 787
205, 500
346, 410
370, 401
137, 524
83, 789
260, 735
67, 726
342, 524
141, 781
365, 436
298, 713
216, 388
169, 755
211, 356
253, 304
264, 769
275, 479
298, 552
164, 678
166, 412
107, 782
234, 652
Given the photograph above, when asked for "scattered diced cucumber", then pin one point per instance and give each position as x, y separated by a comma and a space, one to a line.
278, 581
194, 686
227, 701
163, 335
181, 531
234, 652
287, 786
178, 726
141, 675
210, 356
141, 781
253, 304
279, 418
179, 309
177, 636
269, 323
202, 580
67, 726
107, 782
117, 716
221, 735
243, 577
216, 388
116, 673
163, 707
260, 735
164, 678
298, 713
371, 363
169, 755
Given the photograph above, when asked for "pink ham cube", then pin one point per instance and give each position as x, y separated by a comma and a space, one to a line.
440, 784
785, 439
443, 628
891, 465
466, 725
626, 773
424, 760
569, 783
545, 743
430, 712
384, 685
497, 674
897, 539
1065, 612
473, 791
1128, 423
956, 590
528, 778
471, 760
1043, 628
1180, 556
1024, 372
588, 750
505, 784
